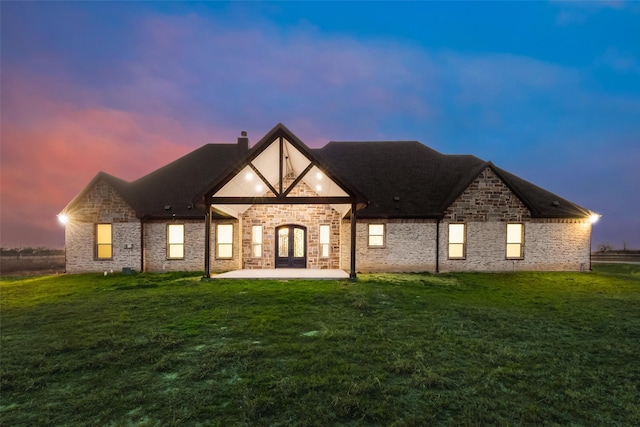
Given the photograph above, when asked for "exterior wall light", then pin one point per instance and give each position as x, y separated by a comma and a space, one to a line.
594, 217
64, 219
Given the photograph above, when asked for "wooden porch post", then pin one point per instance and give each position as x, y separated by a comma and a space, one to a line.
352, 273
207, 242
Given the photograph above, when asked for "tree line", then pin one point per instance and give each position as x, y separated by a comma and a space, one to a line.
15, 252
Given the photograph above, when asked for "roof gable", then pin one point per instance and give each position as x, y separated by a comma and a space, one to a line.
103, 187
487, 197
278, 164
395, 179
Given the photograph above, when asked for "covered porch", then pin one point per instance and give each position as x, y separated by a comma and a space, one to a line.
285, 210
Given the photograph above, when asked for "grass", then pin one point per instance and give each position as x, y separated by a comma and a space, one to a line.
402, 350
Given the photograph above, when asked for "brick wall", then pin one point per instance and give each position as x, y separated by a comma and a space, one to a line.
410, 246
101, 204
155, 237
217, 264
562, 245
486, 206
80, 246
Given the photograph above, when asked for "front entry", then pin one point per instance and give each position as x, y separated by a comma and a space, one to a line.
291, 246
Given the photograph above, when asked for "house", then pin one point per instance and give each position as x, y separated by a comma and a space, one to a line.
356, 206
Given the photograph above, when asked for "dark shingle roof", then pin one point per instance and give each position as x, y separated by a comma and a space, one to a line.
400, 179
408, 179
176, 184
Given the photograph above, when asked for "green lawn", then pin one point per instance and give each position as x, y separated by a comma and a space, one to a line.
403, 350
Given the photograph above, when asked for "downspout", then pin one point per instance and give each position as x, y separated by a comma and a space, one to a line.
438, 245
141, 245
207, 243
352, 273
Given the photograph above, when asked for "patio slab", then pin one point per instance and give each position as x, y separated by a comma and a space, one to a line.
283, 273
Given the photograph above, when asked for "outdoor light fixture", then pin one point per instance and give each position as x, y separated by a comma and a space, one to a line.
64, 219
319, 175
594, 217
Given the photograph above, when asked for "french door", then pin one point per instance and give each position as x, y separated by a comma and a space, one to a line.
291, 246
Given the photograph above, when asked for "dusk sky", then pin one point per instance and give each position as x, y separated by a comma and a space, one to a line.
549, 91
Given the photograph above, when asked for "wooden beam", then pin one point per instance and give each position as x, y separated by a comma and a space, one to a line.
257, 172
298, 179
281, 200
207, 243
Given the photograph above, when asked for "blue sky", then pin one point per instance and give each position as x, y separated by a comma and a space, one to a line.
547, 90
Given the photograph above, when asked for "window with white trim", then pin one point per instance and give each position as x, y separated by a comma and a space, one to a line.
325, 239
175, 241
224, 241
457, 241
104, 241
515, 241
376, 235
256, 241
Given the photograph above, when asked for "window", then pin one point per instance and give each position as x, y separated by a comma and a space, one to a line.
224, 240
104, 241
175, 241
256, 241
376, 235
325, 238
457, 249
515, 239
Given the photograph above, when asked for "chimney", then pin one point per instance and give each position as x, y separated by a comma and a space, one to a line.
243, 142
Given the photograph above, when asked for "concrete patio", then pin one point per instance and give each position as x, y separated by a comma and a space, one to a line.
283, 274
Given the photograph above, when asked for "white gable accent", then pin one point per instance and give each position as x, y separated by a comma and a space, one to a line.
278, 169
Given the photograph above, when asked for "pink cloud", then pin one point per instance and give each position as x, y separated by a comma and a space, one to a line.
52, 148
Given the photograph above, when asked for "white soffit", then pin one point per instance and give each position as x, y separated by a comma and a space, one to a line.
233, 210
293, 160
324, 186
245, 184
267, 163
248, 184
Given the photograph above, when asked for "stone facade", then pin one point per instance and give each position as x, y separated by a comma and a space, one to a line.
487, 198
308, 216
101, 204
411, 245
485, 207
